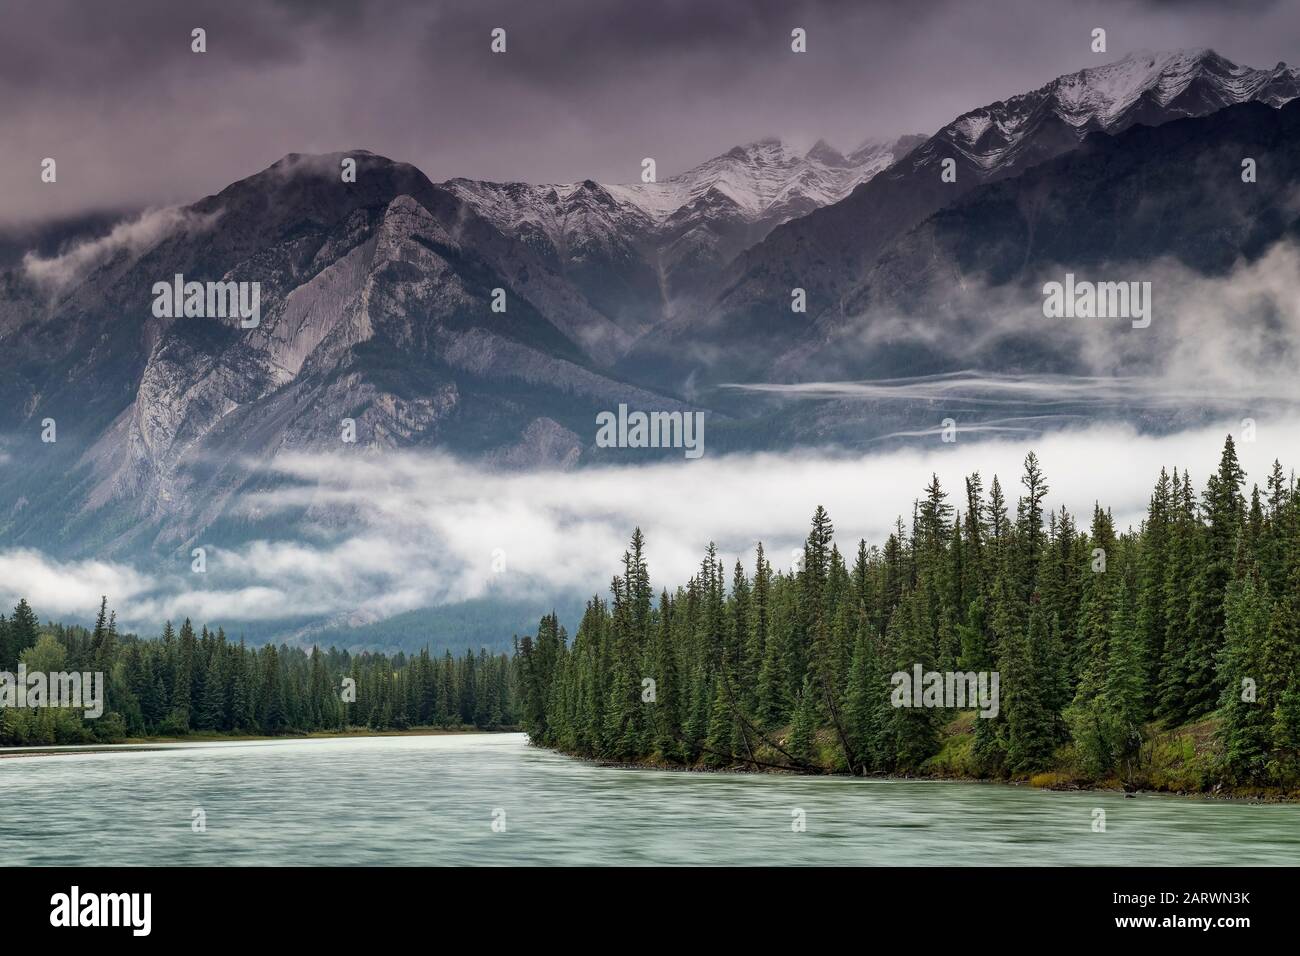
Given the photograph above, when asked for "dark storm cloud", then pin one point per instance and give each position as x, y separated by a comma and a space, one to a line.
113, 93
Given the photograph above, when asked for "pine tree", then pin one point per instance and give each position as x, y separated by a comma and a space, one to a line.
865, 714
914, 729
1185, 551
211, 714
1031, 724
182, 653
717, 744
103, 643
1280, 683
773, 703
241, 698
756, 636
974, 532
1125, 695
667, 705
1094, 628
1224, 508
803, 730
21, 633
272, 709
1152, 622
1247, 709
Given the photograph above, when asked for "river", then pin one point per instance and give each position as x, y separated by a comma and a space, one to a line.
493, 799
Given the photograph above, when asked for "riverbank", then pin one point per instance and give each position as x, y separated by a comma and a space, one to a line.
136, 744
1182, 761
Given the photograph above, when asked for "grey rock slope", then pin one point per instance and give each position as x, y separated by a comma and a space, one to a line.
375, 306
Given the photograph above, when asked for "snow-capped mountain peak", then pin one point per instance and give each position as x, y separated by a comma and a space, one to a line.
1144, 86
1104, 93
754, 178
663, 233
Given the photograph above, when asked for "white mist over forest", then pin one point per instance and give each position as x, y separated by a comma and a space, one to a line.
426, 529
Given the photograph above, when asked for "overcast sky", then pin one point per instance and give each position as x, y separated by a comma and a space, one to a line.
586, 89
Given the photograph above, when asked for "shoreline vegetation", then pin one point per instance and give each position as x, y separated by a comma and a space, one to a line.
1174, 753
190, 683
1164, 658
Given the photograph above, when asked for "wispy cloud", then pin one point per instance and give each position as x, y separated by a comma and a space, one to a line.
972, 387
1215, 342
427, 528
68, 587
131, 237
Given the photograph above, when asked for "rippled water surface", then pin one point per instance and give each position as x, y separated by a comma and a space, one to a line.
431, 800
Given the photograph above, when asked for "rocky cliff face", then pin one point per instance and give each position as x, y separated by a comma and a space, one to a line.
376, 306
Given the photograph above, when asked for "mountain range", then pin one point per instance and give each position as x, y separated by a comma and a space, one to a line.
377, 296
830, 252
636, 251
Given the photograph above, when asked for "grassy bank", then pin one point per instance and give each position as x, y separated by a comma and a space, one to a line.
1181, 760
